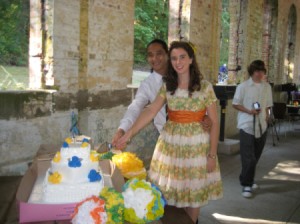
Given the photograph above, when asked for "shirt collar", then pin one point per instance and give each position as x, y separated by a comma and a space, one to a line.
157, 76
250, 82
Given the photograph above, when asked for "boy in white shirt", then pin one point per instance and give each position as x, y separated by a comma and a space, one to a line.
253, 99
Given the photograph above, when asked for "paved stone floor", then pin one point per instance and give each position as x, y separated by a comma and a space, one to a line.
277, 200
278, 175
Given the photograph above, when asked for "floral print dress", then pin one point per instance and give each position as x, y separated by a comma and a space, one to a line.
178, 164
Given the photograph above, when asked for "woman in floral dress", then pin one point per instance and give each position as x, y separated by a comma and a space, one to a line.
184, 164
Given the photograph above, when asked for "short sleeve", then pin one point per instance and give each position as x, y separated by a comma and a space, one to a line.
163, 91
237, 98
269, 96
210, 93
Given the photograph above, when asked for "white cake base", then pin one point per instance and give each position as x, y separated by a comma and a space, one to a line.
63, 194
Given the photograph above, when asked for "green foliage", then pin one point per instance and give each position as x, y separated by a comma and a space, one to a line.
151, 21
14, 32
224, 45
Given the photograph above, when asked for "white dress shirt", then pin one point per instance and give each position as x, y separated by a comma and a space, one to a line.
248, 93
146, 94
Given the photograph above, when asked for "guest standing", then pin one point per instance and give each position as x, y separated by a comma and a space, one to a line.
252, 99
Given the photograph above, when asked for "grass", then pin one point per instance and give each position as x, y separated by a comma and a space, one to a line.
13, 77
17, 78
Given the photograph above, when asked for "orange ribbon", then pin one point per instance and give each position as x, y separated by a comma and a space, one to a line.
186, 116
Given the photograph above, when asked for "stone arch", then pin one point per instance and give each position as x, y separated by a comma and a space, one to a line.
289, 57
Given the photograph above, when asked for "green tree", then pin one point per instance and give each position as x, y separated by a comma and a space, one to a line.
151, 21
14, 32
224, 44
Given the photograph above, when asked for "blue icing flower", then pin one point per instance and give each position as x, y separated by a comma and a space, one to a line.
94, 176
65, 145
85, 140
75, 162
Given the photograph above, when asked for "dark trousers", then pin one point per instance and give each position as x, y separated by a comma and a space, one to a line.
250, 150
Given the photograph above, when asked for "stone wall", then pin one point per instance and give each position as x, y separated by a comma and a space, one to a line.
198, 22
84, 52
83, 55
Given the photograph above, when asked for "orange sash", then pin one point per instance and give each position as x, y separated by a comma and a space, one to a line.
186, 116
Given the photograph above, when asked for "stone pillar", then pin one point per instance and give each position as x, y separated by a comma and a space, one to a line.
266, 34
66, 45
35, 45
282, 40
233, 62
174, 20
198, 22
271, 9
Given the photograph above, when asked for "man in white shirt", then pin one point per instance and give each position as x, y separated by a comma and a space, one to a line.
253, 99
157, 57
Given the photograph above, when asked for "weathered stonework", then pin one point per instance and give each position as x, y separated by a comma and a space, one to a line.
25, 105
255, 36
199, 22
85, 53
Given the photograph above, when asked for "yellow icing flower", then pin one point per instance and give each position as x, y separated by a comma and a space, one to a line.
94, 157
55, 178
68, 140
57, 157
84, 144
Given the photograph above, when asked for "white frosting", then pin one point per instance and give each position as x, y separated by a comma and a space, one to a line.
75, 184
70, 193
75, 149
74, 174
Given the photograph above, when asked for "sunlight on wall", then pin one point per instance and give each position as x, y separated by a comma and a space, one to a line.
233, 219
35, 76
286, 170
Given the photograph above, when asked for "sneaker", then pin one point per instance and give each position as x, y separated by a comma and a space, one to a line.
247, 192
255, 186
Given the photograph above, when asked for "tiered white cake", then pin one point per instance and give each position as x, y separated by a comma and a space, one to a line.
73, 175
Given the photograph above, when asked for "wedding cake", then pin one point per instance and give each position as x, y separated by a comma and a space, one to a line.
73, 174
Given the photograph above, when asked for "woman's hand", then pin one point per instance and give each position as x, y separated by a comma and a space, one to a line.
122, 142
211, 164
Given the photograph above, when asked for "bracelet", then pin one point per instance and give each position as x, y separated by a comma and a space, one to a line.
211, 156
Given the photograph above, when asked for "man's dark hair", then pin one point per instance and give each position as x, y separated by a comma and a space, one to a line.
257, 65
159, 41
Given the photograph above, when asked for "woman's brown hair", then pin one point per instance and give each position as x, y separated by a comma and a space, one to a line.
171, 78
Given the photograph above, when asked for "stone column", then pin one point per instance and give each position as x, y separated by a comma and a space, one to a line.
198, 22
234, 11
35, 45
